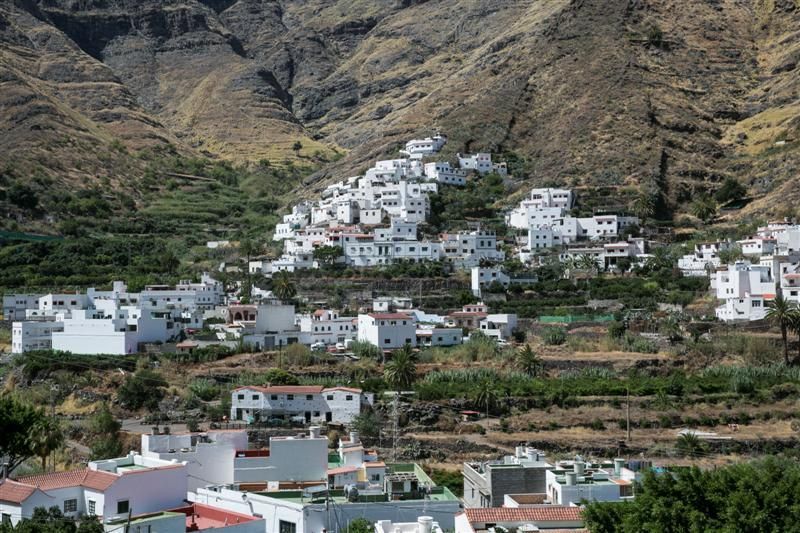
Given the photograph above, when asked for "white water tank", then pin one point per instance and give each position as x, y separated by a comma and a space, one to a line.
425, 524
313, 432
572, 479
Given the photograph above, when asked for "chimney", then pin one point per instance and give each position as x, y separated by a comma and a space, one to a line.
166, 430
572, 479
154, 431
353, 437
3, 471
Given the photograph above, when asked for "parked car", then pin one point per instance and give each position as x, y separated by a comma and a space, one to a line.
318, 347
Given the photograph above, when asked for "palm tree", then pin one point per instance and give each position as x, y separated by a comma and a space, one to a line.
529, 362
283, 286
401, 371
587, 262
704, 208
643, 206
486, 396
47, 437
689, 444
780, 312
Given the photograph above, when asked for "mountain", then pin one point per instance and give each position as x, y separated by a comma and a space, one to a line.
666, 96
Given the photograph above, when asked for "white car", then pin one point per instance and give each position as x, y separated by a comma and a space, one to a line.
318, 346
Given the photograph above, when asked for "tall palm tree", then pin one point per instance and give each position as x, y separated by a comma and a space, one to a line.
401, 371
47, 437
283, 287
529, 361
780, 313
486, 396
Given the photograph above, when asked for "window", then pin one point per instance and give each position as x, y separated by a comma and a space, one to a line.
255, 396
240, 396
286, 527
123, 506
756, 303
273, 397
6, 519
329, 397
316, 413
290, 396
387, 341
309, 397
349, 397
91, 508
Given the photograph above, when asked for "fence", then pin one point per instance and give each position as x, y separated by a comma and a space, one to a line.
570, 319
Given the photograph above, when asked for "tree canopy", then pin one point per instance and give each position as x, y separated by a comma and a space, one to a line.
21, 431
759, 496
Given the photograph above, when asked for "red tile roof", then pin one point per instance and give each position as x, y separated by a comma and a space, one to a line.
554, 513
285, 389
342, 470
390, 316
345, 389
92, 479
14, 492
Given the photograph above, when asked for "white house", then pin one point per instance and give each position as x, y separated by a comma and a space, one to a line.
296, 459
438, 336
387, 331
704, 260
417, 148
327, 327
34, 335
193, 517
481, 163
208, 455
313, 402
745, 290
15, 305
104, 489
468, 249
539, 518
443, 173
572, 482
405, 494
499, 326
758, 246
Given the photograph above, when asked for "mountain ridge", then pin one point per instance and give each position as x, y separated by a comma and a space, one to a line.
657, 95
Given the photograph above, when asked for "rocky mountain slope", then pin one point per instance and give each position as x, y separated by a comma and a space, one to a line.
664, 95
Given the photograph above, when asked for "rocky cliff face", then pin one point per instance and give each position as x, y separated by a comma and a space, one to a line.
660, 94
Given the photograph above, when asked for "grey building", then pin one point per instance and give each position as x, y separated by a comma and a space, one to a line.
486, 484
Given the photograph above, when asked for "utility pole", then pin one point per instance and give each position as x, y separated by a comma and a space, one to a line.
53, 388
394, 427
628, 415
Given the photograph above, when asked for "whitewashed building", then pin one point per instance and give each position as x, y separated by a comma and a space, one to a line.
387, 331
313, 402
745, 290
105, 489
327, 327
208, 455
572, 482
34, 335
704, 260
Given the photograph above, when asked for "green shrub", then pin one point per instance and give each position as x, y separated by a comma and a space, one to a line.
554, 336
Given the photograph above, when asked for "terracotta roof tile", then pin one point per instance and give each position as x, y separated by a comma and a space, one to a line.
345, 389
285, 389
390, 316
342, 470
15, 492
555, 513
86, 477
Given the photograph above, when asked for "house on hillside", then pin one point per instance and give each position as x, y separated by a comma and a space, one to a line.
108, 488
313, 402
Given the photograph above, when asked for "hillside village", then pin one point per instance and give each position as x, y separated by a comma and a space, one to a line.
299, 405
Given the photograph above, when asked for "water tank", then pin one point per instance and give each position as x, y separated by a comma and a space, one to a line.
425, 524
520, 451
619, 464
579, 465
572, 479
313, 432
353, 437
